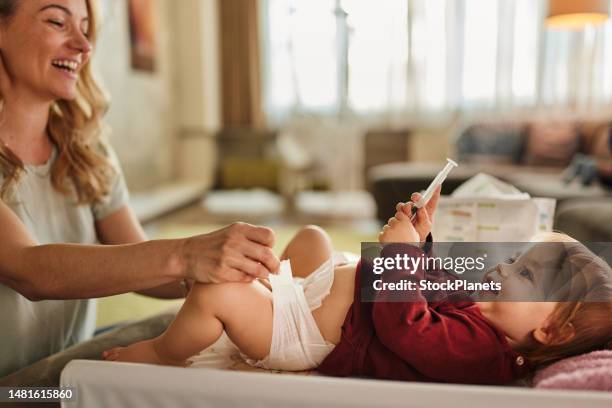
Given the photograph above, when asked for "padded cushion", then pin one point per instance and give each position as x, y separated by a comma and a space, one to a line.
591, 371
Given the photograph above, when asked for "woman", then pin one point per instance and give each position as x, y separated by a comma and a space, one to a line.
62, 194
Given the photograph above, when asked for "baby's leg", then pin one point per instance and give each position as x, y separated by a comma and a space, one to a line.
244, 310
310, 247
307, 250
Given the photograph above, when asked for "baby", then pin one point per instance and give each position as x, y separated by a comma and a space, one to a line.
319, 320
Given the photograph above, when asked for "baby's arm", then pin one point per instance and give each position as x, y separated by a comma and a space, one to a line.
448, 341
243, 310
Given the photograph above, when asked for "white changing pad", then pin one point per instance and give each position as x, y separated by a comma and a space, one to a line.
102, 384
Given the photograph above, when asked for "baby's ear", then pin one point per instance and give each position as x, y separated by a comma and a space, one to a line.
553, 336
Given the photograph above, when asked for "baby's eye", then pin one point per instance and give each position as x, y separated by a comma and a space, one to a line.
525, 273
511, 260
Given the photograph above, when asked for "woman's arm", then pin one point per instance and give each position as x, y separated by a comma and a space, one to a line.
122, 227
240, 252
67, 271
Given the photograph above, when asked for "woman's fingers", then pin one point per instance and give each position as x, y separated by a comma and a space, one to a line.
237, 253
261, 254
261, 235
251, 268
253, 242
230, 274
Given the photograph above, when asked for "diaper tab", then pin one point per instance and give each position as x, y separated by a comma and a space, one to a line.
284, 276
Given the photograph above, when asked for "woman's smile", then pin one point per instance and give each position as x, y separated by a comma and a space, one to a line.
67, 67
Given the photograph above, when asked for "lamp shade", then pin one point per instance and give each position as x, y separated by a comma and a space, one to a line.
577, 13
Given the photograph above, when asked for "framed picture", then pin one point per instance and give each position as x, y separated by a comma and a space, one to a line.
143, 34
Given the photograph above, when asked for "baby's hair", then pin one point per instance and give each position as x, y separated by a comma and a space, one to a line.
584, 322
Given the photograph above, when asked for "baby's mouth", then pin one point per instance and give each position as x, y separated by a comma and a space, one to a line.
66, 65
492, 285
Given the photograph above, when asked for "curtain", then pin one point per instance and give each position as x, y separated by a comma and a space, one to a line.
398, 60
240, 59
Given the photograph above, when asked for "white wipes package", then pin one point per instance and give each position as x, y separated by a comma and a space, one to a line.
485, 209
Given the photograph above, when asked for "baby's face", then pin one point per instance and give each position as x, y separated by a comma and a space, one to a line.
520, 306
526, 276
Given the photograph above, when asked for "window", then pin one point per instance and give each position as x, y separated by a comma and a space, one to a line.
337, 57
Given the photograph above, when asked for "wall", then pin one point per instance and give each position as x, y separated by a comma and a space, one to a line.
432, 144
142, 113
197, 80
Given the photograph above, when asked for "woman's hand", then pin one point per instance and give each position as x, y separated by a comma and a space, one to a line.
237, 253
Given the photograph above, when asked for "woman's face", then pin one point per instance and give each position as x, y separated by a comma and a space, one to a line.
44, 47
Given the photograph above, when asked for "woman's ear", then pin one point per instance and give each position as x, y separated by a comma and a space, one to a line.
552, 337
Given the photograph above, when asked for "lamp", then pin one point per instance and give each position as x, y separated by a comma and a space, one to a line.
576, 14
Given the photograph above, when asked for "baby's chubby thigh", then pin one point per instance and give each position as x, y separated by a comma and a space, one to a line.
245, 310
332, 313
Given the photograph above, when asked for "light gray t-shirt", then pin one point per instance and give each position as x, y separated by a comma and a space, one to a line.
30, 331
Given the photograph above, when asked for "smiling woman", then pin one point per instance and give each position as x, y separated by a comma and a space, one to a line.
59, 41
62, 194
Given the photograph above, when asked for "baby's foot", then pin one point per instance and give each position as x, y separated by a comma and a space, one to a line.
141, 352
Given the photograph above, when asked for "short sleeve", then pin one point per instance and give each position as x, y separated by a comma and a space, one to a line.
118, 195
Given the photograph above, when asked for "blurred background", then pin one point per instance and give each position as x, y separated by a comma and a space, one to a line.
287, 112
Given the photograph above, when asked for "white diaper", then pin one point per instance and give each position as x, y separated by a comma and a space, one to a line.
297, 343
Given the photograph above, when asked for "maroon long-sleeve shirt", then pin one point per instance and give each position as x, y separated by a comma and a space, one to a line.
445, 341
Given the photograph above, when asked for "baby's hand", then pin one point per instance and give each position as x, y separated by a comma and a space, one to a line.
399, 228
423, 219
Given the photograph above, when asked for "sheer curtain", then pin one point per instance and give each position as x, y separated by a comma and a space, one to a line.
425, 58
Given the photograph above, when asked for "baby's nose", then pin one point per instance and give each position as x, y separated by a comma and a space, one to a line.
489, 275
501, 270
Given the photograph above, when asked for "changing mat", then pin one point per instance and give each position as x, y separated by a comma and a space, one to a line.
101, 384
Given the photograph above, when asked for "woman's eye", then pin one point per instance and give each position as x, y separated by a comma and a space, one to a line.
511, 260
57, 23
526, 274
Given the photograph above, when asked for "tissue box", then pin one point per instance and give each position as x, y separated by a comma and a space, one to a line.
486, 209
482, 219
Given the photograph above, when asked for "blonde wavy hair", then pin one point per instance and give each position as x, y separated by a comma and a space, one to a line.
75, 128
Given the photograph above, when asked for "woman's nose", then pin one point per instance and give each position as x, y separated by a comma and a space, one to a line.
81, 43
